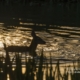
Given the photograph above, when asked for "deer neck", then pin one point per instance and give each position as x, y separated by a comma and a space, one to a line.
33, 45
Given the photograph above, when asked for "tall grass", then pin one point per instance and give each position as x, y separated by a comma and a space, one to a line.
35, 69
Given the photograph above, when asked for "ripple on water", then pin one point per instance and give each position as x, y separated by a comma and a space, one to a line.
68, 46
73, 41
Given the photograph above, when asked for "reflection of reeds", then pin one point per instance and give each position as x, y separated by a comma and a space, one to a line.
40, 72
18, 70
76, 71
52, 73
8, 67
65, 76
51, 77
1, 68
58, 70
29, 70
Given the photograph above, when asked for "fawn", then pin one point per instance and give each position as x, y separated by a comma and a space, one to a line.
31, 49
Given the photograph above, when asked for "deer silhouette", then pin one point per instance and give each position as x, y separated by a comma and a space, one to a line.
31, 49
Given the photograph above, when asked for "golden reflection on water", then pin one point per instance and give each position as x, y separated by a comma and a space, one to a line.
13, 68
27, 23
37, 24
23, 70
16, 36
1, 23
21, 36
8, 78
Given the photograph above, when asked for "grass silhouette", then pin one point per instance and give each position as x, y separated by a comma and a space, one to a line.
31, 67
